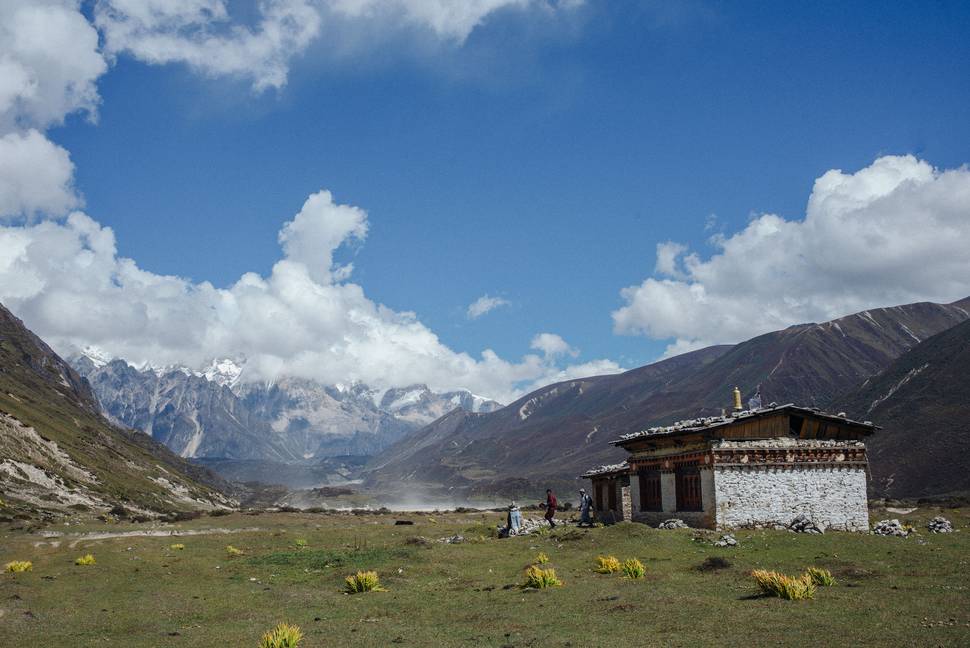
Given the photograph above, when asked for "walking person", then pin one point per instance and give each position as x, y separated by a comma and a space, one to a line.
585, 503
551, 506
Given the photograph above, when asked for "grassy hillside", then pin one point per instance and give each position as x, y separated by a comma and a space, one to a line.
57, 453
922, 400
906, 591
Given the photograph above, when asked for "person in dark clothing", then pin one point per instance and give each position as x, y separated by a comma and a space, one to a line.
585, 504
551, 506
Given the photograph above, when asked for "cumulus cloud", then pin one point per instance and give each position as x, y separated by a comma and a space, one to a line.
894, 232
49, 63
484, 304
36, 176
305, 319
552, 345
204, 34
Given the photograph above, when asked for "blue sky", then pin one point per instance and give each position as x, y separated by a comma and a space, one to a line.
541, 159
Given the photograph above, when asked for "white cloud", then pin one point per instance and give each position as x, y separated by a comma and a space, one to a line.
49, 63
894, 232
552, 345
36, 176
484, 304
204, 34
66, 280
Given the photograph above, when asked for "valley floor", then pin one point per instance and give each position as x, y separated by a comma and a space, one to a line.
143, 593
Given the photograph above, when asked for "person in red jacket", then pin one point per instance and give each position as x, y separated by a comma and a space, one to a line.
551, 506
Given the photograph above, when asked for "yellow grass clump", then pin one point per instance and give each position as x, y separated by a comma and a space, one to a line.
85, 560
232, 552
282, 636
538, 578
607, 564
791, 588
821, 577
542, 558
178, 546
18, 566
300, 543
633, 568
363, 581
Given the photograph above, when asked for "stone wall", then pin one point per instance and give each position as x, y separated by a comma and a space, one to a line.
668, 495
833, 497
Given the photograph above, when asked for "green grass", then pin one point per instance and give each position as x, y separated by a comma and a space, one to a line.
470, 594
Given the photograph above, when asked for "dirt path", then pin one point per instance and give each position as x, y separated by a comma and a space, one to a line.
75, 538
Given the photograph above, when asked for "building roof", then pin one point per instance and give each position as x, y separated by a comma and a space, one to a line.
604, 471
712, 422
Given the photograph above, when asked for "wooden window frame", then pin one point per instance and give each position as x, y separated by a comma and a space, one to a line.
689, 489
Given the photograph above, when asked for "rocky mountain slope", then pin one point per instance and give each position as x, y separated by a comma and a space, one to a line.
922, 400
555, 433
215, 413
57, 453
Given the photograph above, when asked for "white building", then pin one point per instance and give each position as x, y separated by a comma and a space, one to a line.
755, 467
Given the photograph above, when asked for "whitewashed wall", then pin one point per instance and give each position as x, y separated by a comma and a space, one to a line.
833, 498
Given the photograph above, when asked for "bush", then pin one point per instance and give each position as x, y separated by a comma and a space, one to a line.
821, 577
363, 581
177, 547
282, 636
607, 564
633, 568
538, 578
542, 558
232, 552
18, 566
85, 560
790, 588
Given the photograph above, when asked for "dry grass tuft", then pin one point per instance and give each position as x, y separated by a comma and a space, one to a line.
282, 636
633, 568
232, 552
18, 566
791, 588
542, 558
363, 581
821, 577
607, 564
538, 578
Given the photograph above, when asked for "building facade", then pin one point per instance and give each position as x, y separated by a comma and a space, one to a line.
759, 467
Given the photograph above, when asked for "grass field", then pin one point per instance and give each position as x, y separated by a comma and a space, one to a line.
142, 592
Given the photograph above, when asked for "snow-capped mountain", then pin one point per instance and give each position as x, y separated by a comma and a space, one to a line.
212, 411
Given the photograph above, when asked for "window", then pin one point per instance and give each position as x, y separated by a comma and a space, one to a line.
689, 489
650, 498
612, 494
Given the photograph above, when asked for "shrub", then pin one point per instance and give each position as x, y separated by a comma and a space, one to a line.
363, 581
232, 552
538, 578
787, 587
821, 577
542, 558
177, 546
18, 566
607, 564
300, 543
85, 560
282, 636
633, 568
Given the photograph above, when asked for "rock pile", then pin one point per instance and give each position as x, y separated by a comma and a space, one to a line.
455, 539
673, 523
727, 540
940, 525
890, 528
802, 524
